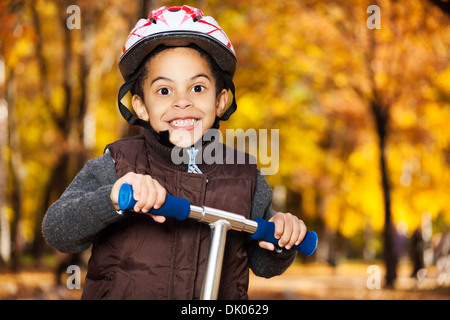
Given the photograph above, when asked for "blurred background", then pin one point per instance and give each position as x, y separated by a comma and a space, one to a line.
363, 115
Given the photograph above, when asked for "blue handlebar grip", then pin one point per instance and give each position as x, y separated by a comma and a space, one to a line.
126, 200
178, 208
266, 232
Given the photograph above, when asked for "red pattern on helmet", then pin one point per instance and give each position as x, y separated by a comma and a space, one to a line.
155, 14
133, 33
190, 12
216, 29
193, 12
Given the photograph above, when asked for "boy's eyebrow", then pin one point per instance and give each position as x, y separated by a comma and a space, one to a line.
161, 78
201, 75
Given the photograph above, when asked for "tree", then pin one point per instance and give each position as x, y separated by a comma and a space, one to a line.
51, 104
335, 87
394, 54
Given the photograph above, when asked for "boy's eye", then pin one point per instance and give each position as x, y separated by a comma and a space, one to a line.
197, 88
164, 91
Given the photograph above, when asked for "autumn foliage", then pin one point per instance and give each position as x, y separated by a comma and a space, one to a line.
362, 113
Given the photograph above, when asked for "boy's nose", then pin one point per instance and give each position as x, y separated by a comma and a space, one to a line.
182, 103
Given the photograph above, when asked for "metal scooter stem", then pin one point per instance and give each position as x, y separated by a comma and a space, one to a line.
211, 279
220, 222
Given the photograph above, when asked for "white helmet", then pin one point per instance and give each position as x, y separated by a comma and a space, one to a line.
175, 27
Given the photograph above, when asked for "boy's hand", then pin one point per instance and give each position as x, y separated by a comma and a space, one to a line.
146, 191
289, 229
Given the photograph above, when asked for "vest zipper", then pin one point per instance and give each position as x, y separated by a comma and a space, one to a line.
206, 188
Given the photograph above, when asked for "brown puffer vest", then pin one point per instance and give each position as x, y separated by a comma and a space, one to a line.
138, 258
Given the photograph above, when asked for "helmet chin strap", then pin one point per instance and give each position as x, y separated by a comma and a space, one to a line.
124, 111
163, 136
232, 108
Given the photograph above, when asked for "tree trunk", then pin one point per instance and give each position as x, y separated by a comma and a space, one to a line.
5, 237
381, 114
64, 122
15, 172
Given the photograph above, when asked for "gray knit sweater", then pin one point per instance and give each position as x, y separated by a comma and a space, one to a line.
72, 223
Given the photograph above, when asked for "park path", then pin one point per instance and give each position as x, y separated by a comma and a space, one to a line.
346, 281
300, 282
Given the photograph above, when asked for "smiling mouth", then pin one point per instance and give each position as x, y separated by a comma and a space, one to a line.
183, 123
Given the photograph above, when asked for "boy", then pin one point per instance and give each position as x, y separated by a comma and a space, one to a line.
178, 65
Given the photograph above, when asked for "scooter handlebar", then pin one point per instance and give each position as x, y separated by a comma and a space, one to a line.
179, 208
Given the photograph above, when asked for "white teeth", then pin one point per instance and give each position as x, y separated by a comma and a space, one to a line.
183, 123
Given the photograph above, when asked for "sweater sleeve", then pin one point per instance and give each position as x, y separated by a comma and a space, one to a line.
85, 208
265, 263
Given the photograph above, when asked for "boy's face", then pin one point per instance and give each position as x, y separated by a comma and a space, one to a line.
180, 96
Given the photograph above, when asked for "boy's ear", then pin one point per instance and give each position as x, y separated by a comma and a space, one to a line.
139, 108
221, 102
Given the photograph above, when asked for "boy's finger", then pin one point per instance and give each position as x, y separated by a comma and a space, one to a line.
160, 195
287, 232
136, 185
139, 194
278, 220
266, 245
303, 230
159, 219
295, 232
151, 195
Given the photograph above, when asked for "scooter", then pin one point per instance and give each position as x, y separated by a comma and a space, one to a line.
220, 222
